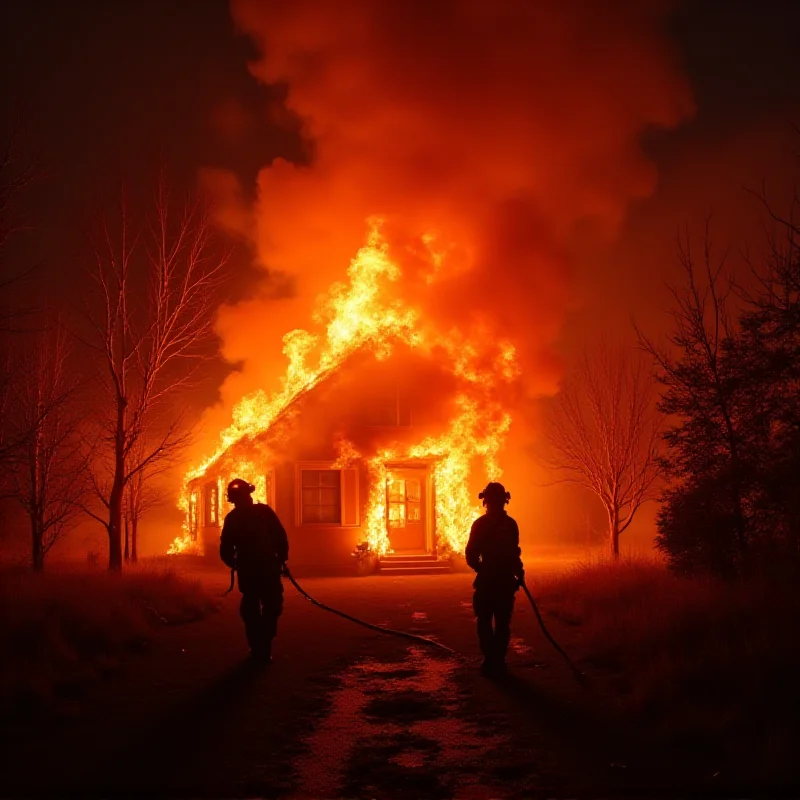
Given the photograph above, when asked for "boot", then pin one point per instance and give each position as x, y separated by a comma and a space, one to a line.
486, 640
502, 636
261, 651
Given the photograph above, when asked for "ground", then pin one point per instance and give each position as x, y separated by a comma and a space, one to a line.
342, 711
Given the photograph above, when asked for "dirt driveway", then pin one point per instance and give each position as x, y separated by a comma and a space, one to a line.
342, 712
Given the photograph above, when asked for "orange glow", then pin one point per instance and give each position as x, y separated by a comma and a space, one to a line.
492, 212
364, 315
186, 544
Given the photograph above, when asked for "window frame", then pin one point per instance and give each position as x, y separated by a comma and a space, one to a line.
269, 477
208, 505
194, 520
316, 466
402, 403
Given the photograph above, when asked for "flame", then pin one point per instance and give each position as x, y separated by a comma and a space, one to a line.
362, 314
186, 544
451, 454
355, 316
375, 516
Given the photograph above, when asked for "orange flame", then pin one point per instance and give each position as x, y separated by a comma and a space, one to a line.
361, 314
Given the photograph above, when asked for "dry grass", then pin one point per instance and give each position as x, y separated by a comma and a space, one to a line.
713, 668
59, 632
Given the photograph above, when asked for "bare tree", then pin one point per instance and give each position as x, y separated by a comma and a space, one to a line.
141, 496
46, 473
150, 331
604, 434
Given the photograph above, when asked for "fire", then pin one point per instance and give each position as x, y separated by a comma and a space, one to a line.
452, 454
186, 544
361, 314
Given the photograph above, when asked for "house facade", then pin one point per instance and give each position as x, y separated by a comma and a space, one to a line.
338, 469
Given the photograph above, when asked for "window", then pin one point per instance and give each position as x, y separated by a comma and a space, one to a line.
326, 496
387, 408
404, 500
321, 496
211, 511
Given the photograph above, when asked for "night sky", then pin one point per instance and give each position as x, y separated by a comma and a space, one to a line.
103, 92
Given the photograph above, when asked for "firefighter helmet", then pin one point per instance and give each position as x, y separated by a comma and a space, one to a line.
238, 489
495, 492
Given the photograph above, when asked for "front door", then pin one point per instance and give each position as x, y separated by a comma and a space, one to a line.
405, 504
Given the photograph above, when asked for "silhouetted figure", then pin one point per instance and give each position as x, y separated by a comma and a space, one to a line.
493, 552
254, 542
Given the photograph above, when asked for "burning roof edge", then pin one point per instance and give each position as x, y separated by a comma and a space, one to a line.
324, 379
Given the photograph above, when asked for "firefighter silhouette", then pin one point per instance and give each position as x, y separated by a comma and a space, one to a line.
493, 552
254, 543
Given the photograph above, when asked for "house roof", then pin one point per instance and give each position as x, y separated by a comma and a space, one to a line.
324, 380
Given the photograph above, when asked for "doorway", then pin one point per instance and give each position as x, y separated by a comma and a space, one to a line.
406, 510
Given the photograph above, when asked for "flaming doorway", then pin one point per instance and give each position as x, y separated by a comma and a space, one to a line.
408, 521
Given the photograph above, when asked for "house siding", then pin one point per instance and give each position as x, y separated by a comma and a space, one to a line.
333, 412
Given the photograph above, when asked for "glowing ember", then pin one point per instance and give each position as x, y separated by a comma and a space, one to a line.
361, 315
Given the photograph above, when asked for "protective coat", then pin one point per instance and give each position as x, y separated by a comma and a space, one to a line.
255, 543
493, 552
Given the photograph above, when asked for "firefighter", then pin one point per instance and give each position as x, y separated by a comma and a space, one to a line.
493, 552
254, 543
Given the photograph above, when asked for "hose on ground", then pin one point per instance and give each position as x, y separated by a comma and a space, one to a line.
389, 631
579, 676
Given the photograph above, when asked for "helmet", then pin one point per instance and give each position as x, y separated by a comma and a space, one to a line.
239, 488
495, 492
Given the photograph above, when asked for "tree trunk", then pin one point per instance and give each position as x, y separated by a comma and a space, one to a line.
740, 526
37, 546
115, 530
117, 492
127, 553
114, 538
134, 530
613, 530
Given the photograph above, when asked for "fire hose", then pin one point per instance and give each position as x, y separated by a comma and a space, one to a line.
579, 676
379, 628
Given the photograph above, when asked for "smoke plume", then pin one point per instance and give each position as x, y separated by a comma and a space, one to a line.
494, 128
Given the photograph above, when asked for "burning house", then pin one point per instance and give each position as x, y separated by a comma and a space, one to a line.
491, 182
378, 438
494, 177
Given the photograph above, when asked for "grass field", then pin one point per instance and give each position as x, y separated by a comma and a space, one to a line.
710, 667
61, 631
706, 669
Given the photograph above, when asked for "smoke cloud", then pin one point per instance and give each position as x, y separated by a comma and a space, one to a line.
497, 128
